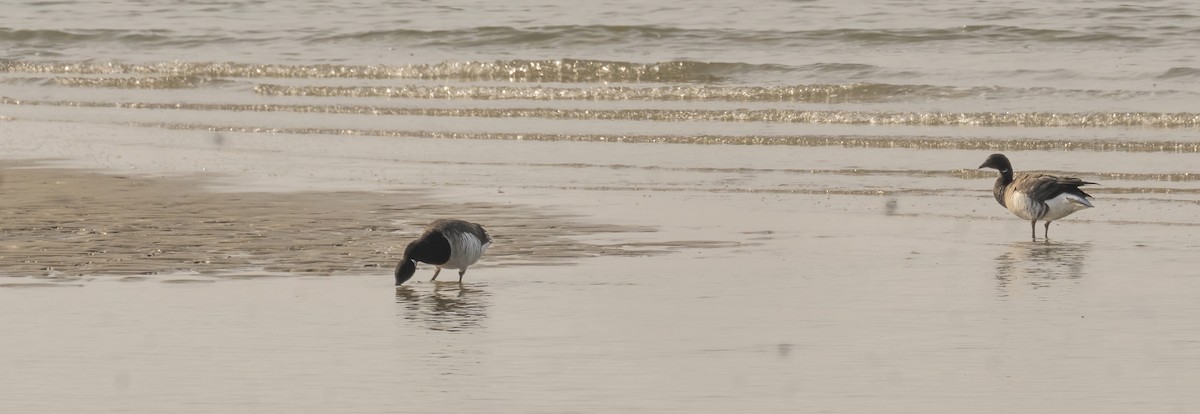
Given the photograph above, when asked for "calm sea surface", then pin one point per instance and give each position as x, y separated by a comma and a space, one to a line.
850, 129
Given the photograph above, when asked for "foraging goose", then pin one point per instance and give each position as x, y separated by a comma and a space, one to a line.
1034, 196
450, 244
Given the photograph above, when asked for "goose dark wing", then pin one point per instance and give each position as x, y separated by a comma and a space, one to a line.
1043, 187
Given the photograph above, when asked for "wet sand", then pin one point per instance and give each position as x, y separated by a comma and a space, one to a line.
65, 225
715, 280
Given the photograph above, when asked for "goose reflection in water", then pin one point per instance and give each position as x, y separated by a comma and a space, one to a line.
448, 307
1040, 264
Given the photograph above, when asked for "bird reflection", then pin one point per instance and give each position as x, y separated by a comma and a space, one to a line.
1040, 263
450, 307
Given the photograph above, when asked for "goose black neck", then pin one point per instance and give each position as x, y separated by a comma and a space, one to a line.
432, 248
1006, 176
1000, 163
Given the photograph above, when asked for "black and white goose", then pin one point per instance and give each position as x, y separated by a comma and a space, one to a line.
446, 244
1035, 196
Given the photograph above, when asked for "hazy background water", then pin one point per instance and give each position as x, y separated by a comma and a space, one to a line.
1091, 78
927, 56
1017, 44
849, 130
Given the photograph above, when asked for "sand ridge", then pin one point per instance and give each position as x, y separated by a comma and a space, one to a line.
64, 224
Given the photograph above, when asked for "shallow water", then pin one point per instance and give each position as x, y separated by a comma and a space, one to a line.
790, 322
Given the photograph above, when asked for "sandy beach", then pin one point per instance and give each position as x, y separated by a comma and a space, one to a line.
257, 275
697, 207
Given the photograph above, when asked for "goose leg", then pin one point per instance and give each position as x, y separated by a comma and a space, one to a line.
1033, 228
460, 275
435, 273
1047, 234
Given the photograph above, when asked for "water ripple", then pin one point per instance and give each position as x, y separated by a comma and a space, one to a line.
946, 119
845, 141
560, 70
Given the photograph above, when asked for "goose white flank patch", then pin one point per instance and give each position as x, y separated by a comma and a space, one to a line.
446, 244
1034, 196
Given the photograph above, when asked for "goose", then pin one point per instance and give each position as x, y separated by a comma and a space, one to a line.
1035, 196
446, 244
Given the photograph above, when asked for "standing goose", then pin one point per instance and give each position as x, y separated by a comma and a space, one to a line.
450, 244
1034, 196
